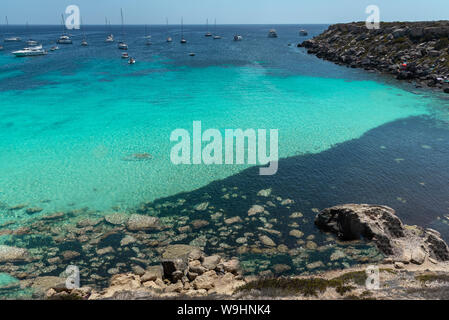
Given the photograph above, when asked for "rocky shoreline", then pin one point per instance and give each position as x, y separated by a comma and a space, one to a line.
417, 52
416, 266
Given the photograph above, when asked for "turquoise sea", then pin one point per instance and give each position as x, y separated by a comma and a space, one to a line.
72, 122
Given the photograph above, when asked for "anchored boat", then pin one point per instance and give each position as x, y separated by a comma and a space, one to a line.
272, 34
122, 44
30, 52
11, 39
64, 38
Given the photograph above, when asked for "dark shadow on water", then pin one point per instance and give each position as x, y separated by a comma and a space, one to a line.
403, 164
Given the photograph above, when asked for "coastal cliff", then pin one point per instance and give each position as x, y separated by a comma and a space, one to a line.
414, 51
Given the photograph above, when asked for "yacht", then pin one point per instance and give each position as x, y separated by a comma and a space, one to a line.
122, 44
208, 34
169, 39
11, 39
54, 48
303, 32
183, 41
64, 39
131, 61
30, 52
238, 37
125, 55
272, 34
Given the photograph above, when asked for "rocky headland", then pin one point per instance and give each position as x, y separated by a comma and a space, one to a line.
416, 266
417, 52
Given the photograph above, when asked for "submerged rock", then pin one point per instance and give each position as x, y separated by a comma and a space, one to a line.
267, 241
255, 209
11, 254
138, 222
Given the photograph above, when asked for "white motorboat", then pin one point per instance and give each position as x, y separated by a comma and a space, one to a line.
122, 46
13, 39
272, 34
110, 38
303, 32
30, 52
54, 48
125, 55
238, 37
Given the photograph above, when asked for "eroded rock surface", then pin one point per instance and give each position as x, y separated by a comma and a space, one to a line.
380, 224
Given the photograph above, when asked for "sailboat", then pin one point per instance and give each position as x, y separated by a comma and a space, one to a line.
208, 34
122, 44
148, 37
64, 38
183, 41
84, 42
11, 39
30, 42
110, 37
216, 36
169, 39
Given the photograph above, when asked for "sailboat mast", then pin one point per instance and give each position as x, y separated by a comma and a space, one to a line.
123, 31
62, 21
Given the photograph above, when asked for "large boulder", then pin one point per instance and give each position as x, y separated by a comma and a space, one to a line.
380, 225
175, 260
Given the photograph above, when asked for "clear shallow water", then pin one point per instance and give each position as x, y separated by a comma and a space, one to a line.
70, 119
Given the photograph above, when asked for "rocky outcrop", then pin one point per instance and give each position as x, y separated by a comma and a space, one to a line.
379, 224
413, 51
185, 270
